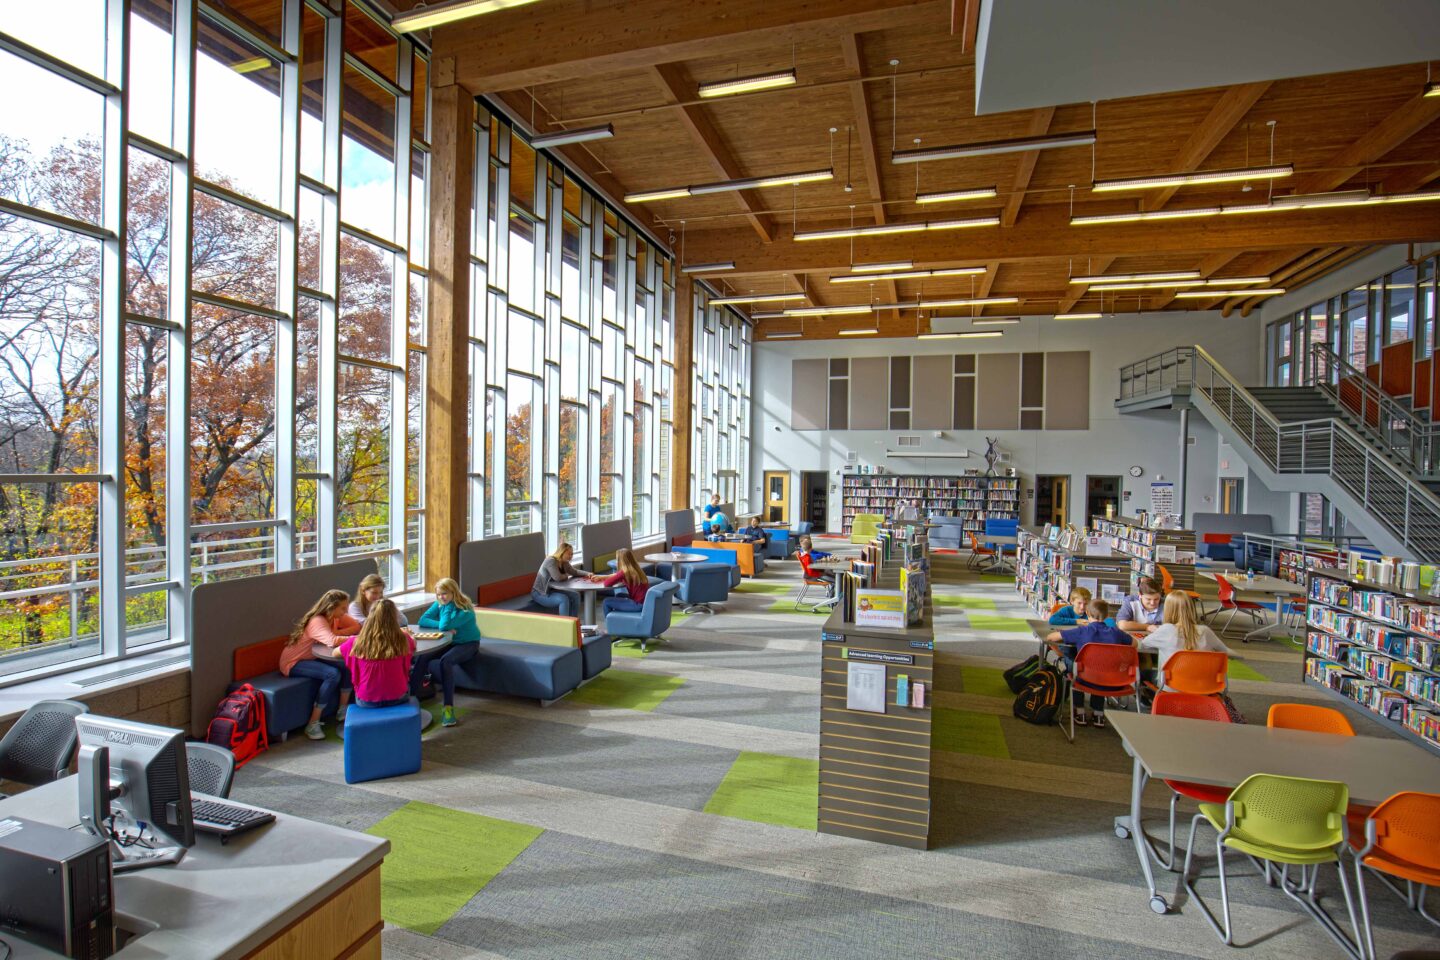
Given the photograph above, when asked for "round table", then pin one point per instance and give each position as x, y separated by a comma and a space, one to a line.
674, 558
323, 652
587, 589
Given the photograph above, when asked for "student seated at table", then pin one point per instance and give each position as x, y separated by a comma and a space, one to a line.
719, 526
371, 589
452, 610
557, 567
627, 573
756, 532
1096, 629
379, 659
1141, 613
325, 622
1180, 631
711, 508
811, 555
1073, 612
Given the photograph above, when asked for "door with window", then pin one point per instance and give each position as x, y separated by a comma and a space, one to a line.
777, 497
1101, 492
1232, 495
1052, 500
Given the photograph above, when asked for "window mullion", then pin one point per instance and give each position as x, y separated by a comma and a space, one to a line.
287, 292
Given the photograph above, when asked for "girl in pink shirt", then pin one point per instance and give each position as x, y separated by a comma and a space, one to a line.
379, 658
326, 622
633, 578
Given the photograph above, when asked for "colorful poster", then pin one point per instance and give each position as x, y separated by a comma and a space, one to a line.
880, 608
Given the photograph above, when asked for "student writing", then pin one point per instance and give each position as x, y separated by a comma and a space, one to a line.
452, 610
325, 622
557, 568
379, 659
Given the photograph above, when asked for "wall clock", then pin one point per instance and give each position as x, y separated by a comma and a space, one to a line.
1137, 471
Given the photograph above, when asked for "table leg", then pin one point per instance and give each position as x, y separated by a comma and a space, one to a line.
588, 618
1131, 826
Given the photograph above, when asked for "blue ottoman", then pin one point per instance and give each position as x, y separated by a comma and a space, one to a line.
382, 742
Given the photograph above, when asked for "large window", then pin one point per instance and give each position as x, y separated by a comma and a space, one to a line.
270, 272
721, 412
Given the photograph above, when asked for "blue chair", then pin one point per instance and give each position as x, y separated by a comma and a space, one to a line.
650, 621
780, 546
804, 526
704, 584
382, 742
729, 558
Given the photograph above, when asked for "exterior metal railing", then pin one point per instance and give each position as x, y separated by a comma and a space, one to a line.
1328, 447
1392, 423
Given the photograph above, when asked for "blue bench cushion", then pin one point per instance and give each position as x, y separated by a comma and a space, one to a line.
595, 655
382, 741
535, 670
288, 701
523, 602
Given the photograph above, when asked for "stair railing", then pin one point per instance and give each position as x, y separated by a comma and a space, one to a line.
1328, 446
1400, 429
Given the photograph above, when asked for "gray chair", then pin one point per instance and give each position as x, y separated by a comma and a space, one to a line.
211, 768
704, 584
39, 747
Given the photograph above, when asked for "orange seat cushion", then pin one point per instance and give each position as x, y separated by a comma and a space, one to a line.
516, 586
1199, 791
683, 540
257, 658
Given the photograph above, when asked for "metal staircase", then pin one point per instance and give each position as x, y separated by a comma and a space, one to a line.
1319, 440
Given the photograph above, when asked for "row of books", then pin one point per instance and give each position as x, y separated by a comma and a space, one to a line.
1359, 629
884, 481
1374, 695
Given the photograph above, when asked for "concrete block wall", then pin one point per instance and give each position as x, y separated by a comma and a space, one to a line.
164, 701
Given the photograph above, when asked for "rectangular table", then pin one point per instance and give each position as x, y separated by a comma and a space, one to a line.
1224, 754
1262, 586
1000, 542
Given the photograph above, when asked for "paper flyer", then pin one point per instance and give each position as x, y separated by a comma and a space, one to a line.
880, 608
865, 687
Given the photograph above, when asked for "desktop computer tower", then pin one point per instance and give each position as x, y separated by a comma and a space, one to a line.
56, 888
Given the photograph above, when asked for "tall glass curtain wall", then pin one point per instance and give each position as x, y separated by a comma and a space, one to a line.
720, 409
1356, 325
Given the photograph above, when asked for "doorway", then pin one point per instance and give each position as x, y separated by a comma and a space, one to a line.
1052, 500
815, 482
1232, 494
1100, 491
777, 496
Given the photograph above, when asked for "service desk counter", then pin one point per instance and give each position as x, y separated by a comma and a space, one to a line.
875, 763
294, 888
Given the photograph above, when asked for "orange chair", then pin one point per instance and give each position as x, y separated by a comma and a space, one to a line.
1304, 716
978, 552
1401, 839
811, 579
1194, 706
1167, 583
1226, 593
1197, 671
1109, 670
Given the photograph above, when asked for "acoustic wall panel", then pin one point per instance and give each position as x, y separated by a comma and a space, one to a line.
997, 392
869, 393
1067, 390
809, 389
934, 390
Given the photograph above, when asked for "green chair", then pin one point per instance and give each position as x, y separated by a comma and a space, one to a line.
1288, 821
864, 527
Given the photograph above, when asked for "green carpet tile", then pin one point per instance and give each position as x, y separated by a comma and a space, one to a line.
769, 789
986, 681
627, 689
440, 858
964, 731
997, 624
763, 586
1239, 670
631, 648
964, 603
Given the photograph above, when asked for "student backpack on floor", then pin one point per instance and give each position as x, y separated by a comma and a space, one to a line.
239, 724
1019, 675
1039, 699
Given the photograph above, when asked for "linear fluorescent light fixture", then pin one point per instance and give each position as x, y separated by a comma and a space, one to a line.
724, 186
1083, 138
760, 81
881, 267
967, 302
994, 321
792, 335
880, 230
1139, 277
1077, 316
909, 275
718, 267
1209, 294
758, 298
423, 18
939, 336
1335, 198
1236, 175
954, 196
1432, 89
1181, 214
1165, 284
1306, 201
562, 138
827, 311
648, 196
860, 332
976, 334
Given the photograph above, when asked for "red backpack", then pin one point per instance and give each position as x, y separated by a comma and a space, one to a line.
239, 724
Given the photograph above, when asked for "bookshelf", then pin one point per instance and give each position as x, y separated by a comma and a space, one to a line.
1377, 648
1045, 572
1149, 548
1291, 565
974, 498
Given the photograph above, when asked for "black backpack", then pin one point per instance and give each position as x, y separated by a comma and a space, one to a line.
1019, 675
1039, 699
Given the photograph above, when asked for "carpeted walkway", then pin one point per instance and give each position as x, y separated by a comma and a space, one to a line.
667, 809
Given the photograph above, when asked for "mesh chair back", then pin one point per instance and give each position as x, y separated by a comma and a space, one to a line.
41, 744
1197, 671
1305, 716
1291, 812
1193, 706
211, 768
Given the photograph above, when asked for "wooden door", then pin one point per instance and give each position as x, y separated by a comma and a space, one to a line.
776, 497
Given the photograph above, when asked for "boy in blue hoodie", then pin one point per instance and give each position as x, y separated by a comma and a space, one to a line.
1098, 630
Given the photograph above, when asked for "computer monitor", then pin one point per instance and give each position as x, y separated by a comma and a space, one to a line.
147, 776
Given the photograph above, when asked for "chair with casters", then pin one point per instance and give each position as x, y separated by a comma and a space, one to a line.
1399, 839
811, 578
704, 584
211, 768
1167, 583
38, 748
1193, 706
1287, 822
977, 552
1305, 716
647, 623
1226, 594
1109, 670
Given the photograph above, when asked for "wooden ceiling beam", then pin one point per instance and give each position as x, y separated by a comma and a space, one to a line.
1025, 167
1094, 268
1046, 233
1279, 269
574, 39
1408, 119
865, 133
676, 82
1229, 110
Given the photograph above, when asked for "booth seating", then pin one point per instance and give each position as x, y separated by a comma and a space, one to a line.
710, 551
382, 742
1217, 533
500, 572
749, 559
647, 623
288, 700
864, 526
532, 655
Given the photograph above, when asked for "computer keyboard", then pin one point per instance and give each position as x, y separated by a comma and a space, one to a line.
212, 816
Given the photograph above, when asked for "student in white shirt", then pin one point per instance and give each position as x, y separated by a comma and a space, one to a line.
906, 512
1180, 632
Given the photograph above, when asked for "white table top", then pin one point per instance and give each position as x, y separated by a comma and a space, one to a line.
421, 646
675, 557
1224, 754
1261, 584
985, 538
582, 584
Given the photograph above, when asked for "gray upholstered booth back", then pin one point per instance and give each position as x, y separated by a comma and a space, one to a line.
603, 539
1204, 523
230, 614
677, 524
499, 558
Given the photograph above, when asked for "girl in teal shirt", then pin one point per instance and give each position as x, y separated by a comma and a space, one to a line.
452, 610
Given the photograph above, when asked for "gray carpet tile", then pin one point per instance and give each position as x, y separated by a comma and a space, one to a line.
309, 797
732, 704
709, 652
